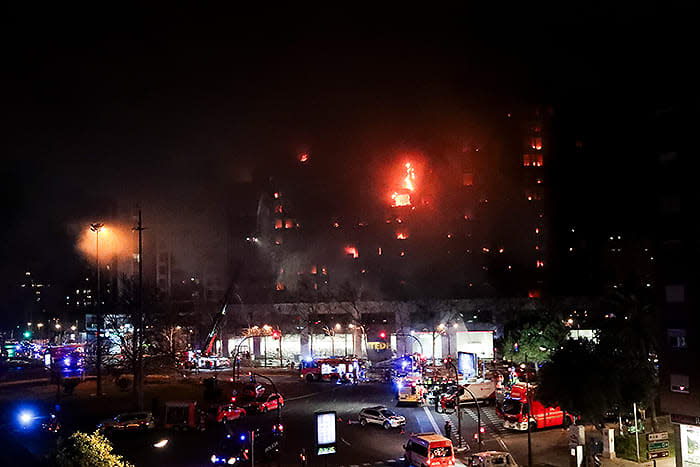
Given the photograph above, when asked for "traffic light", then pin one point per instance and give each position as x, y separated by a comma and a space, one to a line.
382, 334
482, 430
275, 335
476, 435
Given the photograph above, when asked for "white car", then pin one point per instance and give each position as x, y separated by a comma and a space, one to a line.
491, 458
380, 415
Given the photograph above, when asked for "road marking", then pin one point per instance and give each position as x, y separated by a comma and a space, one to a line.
288, 399
432, 420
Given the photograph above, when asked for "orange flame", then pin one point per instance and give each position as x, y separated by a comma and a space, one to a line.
410, 176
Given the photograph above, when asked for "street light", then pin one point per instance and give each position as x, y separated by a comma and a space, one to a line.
97, 227
57, 326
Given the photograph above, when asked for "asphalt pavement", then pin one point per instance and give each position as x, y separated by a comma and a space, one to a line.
356, 445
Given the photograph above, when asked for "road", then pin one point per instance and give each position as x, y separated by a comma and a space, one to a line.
357, 445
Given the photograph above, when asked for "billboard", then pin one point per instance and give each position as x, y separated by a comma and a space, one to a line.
466, 364
325, 433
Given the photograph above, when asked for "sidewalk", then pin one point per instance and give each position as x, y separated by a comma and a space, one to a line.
667, 462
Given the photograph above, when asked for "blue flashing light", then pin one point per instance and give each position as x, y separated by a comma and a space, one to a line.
404, 364
308, 359
243, 437
25, 418
66, 361
228, 436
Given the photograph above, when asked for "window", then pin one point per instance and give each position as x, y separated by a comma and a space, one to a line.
352, 251
468, 179
675, 293
418, 449
676, 338
532, 160
278, 209
442, 451
289, 224
680, 383
278, 224
536, 142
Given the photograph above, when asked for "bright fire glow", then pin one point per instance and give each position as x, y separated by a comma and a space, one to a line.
403, 198
352, 251
114, 241
303, 157
401, 236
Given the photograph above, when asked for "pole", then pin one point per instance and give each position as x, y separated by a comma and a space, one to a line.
265, 345
636, 428
95, 227
346, 343
139, 340
280, 343
252, 447
529, 414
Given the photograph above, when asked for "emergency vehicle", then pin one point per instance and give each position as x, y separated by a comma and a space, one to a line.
515, 411
329, 369
429, 449
410, 390
484, 390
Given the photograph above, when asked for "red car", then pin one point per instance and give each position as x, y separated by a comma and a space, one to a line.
268, 403
227, 413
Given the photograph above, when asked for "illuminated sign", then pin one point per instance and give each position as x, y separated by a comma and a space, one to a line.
325, 433
378, 345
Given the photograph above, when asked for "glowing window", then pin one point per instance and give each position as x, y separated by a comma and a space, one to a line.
536, 142
379, 251
314, 270
540, 264
279, 286
468, 179
277, 195
401, 199
278, 223
278, 209
352, 251
401, 236
324, 271
534, 293
289, 224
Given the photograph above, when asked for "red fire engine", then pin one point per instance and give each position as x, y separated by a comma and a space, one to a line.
515, 411
329, 369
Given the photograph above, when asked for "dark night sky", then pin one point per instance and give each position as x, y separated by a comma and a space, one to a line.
160, 106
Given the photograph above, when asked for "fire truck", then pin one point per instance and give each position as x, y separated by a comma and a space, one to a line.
514, 411
410, 390
329, 369
205, 357
68, 359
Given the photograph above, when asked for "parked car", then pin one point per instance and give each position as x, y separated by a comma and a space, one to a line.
266, 403
226, 413
491, 458
381, 415
128, 422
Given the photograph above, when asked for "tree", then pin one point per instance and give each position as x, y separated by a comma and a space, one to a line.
88, 450
628, 331
580, 379
533, 337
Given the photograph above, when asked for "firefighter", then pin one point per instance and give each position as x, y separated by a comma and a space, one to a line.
448, 429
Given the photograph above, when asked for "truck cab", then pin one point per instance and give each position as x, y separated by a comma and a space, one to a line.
520, 403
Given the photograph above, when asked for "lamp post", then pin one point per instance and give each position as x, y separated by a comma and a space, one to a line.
459, 413
97, 227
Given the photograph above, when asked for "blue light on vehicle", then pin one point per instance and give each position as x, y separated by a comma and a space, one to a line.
404, 364
228, 436
214, 459
25, 418
242, 437
66, 361
308, 359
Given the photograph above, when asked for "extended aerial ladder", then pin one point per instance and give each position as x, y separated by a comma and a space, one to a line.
220, 319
